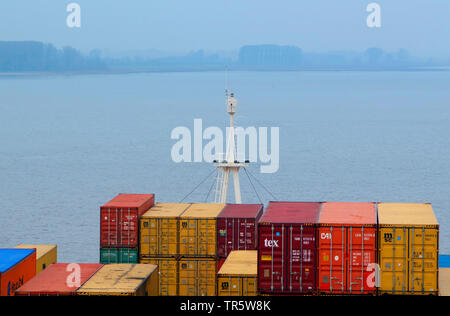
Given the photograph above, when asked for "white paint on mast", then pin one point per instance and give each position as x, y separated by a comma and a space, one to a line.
229, 165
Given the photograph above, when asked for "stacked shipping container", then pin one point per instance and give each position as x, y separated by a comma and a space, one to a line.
347, 248
159, 244
304, 247
409, 249
119, 227
168, 274
198, 250
287, 248
237, 229
239, 274
160, 230
181, 239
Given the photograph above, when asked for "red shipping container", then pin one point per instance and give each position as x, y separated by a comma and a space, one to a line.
287, 248
347, 248
59, 279
17, 266
119, 219
237, 228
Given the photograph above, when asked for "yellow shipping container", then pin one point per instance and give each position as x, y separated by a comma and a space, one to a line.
408, 249
160, 230
197, 277
444, 281
45, 255
123, 280
198, 230
239, 274
168, 275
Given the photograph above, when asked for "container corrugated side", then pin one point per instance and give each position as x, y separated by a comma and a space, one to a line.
197, 277
168, 275
160, 230
287, 260
237, 285
123, 280
119, 255
119, 220
408, 249
238, 275
53, 280
17, 266
347, 248
198, 226
46, 255
237, 228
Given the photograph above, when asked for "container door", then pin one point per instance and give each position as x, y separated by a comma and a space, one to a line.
393, 243
206, 237
246, 234
109, 255
187, 277
332, 264
206, 277
229, 286
423, 260
109, 227
128, 224
224, 237
249, 286
272, 257
188, 237
361, 260
167, 237
301, 260
129, 255
168, 277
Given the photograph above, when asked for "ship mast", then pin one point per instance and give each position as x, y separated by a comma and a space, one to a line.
229, 165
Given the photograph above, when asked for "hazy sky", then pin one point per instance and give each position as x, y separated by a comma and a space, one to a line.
421, 26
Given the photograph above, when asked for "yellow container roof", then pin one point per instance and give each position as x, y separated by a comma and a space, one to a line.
412, 214
41, 250
118, 278
166, 210
240, 263
203, 210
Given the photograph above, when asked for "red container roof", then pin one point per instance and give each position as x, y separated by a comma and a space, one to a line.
348, 213
129, 200
292, 213
241, 211
54, 279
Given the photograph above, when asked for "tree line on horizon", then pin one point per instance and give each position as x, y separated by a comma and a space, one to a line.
31, 56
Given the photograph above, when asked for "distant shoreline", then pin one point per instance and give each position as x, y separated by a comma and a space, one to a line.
119, 71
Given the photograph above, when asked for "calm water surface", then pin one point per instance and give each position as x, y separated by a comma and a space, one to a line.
70, 143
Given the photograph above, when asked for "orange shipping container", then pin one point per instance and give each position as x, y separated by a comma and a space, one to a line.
17, 266
347, 248
408, 241
238, 275
168, 274
160, 230
198, 227
197, 277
